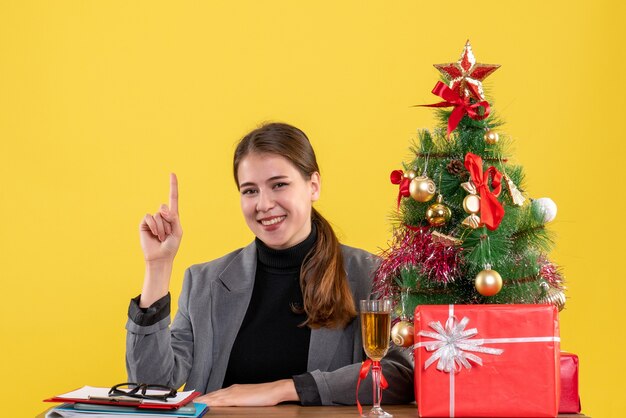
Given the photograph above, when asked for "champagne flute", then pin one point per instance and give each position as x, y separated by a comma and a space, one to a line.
375, 329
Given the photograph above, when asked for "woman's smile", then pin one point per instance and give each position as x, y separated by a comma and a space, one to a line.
272, 221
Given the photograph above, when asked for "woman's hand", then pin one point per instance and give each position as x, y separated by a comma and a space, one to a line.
260, 394
160, 234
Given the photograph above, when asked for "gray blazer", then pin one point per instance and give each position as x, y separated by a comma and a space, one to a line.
212, 305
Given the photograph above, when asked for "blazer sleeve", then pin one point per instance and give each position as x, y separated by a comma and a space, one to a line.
339, 386
158, 353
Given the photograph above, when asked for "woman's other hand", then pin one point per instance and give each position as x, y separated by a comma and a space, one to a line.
260, 394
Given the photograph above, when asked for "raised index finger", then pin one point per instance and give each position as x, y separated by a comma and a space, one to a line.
173, 193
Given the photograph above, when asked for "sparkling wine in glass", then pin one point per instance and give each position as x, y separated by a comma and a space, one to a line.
375, 329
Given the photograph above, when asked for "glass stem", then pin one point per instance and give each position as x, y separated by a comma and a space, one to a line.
377, 390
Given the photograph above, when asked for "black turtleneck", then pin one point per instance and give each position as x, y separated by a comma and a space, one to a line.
271, 344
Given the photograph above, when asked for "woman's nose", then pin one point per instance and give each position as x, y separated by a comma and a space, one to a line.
265, 202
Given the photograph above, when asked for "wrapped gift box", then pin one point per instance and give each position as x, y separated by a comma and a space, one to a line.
570, 399
487, 360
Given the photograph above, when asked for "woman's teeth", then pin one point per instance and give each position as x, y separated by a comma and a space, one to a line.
272, 221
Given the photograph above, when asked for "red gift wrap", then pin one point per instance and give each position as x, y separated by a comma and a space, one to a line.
487, 360
570, 399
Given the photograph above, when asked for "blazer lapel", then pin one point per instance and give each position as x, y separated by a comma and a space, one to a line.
231, 296
322, 347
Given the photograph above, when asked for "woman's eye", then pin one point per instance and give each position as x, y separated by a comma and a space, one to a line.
248, 191
279, 185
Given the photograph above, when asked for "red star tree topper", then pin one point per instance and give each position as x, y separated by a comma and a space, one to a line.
465, 75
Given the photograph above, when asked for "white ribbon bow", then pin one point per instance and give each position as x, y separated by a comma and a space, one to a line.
453, 344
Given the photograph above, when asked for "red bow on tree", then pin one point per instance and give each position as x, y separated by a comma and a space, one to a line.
491, 210
397, 177
462, 106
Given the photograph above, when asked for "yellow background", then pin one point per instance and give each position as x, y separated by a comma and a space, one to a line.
100, 100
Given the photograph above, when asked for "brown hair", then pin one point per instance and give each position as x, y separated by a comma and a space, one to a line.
328, 301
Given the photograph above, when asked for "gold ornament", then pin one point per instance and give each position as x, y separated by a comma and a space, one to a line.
553, 296
491, 137
471, 203
410, 174
472, 221
402, 334
422, 189
516, 196
445, 240
469, 187
488, 282
438, 213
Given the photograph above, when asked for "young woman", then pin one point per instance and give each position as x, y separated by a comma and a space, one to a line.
275, 321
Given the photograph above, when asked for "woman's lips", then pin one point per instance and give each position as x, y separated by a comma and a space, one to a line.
275, 220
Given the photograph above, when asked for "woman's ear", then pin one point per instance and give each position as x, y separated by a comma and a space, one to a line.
316, 186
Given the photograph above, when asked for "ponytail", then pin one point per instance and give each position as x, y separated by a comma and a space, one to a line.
328, 301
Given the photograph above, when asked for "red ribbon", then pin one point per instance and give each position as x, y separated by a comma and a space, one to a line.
365, 369
462, 105
491, 210
397, 177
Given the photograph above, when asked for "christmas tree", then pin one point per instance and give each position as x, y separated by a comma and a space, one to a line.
464, 231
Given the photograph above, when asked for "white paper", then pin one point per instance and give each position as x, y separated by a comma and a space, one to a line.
89, 391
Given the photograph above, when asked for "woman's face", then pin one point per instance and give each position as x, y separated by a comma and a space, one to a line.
276, 200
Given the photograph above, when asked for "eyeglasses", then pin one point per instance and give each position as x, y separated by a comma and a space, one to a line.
138, 390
